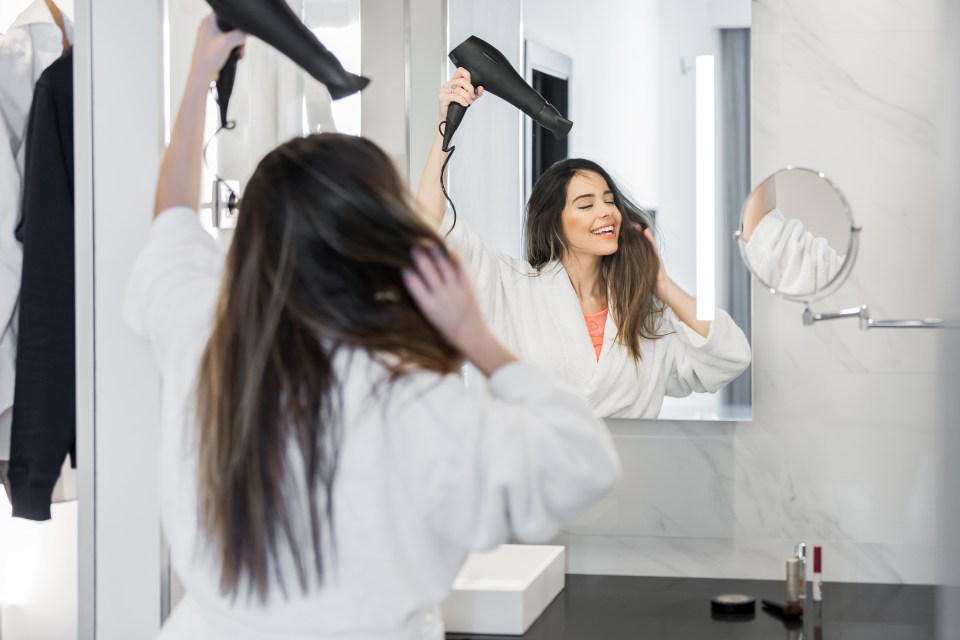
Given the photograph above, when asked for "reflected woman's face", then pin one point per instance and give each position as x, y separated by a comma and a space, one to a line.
590, 220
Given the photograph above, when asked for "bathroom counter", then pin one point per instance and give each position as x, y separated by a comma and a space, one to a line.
631, 608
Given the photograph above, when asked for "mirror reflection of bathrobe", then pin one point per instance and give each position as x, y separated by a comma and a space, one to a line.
539, 317
789, 259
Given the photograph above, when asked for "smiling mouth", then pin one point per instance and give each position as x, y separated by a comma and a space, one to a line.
603, 231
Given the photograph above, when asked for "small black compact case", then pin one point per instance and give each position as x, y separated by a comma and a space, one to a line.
733, 604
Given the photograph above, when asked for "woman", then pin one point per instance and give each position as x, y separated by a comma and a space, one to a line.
324, 470
592, 304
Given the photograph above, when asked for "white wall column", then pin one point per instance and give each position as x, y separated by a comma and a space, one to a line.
119, 126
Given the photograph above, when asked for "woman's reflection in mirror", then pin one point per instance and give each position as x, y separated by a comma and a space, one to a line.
779, 251
592, 303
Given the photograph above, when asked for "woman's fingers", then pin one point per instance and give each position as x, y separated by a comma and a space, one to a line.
444, 264
457, 272
648, 234
425, 298
212, 48
458, 89
416, 287
461, 88
427, 267
233, 39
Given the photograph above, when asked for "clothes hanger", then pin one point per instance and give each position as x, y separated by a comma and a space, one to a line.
58, 19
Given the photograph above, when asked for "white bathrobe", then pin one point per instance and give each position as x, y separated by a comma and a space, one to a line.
540, 318
789, 259
427, 471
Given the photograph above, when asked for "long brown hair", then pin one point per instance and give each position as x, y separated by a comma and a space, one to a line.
629, 274
326, 224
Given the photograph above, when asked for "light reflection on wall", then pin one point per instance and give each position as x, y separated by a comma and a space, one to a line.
344, 43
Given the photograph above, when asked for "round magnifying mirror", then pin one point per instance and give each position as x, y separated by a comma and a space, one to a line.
797, 234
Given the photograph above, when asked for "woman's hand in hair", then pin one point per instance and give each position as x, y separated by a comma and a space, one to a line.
443, 292
661, 274
458, 89
680, 302
212, 49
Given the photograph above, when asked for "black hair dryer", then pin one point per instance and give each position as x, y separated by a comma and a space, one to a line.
275, 23
491, 70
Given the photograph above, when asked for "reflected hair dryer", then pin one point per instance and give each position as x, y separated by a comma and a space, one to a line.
491, 70
275, 23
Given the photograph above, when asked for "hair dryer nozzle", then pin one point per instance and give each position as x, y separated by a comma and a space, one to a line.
550, 119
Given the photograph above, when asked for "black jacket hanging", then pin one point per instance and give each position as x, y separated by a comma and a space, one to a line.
44, 401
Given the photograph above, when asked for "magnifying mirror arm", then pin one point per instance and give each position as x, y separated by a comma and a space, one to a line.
866, 322
809, 317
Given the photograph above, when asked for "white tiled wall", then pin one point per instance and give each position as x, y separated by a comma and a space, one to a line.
843, 448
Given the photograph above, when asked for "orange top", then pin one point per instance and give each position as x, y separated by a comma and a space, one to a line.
595, 325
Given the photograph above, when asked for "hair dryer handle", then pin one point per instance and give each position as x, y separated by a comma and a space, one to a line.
455, 113
228, 74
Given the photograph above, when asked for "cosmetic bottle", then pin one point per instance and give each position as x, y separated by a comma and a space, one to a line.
817, 576
801, 555
793, 607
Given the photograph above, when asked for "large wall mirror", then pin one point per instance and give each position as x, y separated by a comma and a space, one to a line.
624, 71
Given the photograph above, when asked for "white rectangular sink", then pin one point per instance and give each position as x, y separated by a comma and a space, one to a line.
505, 590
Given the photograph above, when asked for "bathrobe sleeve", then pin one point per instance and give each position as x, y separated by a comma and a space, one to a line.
522, 462
787, 258
489, 269
703, 365
173, 288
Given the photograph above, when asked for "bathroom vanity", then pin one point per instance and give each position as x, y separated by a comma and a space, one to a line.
627, 608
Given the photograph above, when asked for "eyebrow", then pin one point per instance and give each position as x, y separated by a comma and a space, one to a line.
590, 195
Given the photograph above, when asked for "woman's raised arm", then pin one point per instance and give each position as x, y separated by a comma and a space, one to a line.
179, 180
430, 202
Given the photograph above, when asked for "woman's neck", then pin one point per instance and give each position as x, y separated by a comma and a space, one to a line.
584, 273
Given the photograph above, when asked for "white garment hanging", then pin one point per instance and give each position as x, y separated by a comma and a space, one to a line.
31, 44
539, 317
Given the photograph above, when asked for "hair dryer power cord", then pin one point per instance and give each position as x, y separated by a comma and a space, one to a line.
234, 200
443, 187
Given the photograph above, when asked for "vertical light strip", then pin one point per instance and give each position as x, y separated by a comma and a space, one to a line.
706, 194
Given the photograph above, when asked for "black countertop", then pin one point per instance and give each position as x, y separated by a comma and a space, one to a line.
631, 608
